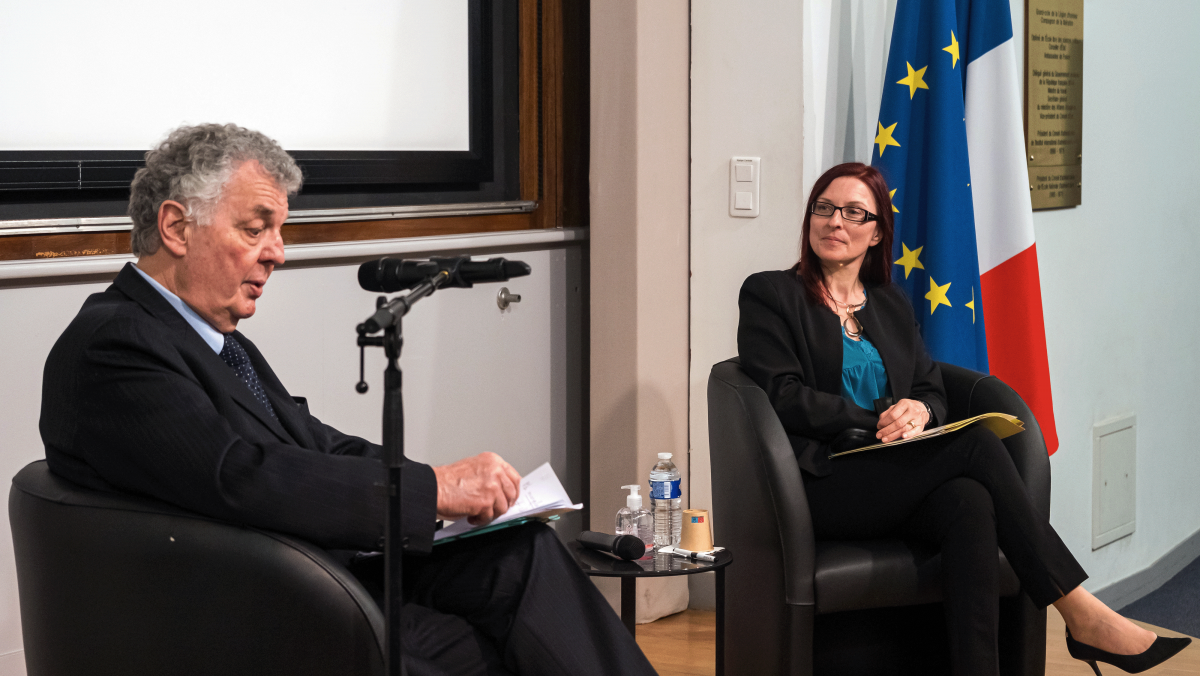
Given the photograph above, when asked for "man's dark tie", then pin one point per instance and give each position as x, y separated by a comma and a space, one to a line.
235, 355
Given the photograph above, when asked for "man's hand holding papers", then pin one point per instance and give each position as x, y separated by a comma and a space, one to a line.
477, 489
541, 496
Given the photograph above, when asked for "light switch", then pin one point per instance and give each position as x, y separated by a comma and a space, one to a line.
744, 178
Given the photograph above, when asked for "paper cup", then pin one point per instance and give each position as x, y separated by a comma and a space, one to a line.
696, 535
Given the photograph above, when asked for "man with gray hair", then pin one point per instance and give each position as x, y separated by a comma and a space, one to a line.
151, 390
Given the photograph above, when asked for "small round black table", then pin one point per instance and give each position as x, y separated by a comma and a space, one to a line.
599, 564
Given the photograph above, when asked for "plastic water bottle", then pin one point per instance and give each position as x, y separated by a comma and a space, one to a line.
665, 502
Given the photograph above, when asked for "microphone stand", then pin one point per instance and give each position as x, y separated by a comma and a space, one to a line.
387, 317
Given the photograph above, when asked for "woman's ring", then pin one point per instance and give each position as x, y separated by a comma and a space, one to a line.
910, 424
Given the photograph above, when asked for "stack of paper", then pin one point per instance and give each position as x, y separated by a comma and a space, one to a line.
1003, 424
542, 496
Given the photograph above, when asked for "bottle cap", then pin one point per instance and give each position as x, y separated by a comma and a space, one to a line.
664, 456
634, 499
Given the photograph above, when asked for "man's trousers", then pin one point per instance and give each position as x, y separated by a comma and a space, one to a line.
513, 601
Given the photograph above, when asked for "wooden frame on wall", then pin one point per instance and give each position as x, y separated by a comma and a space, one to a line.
553, 152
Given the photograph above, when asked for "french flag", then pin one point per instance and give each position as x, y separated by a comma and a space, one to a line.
1010, 287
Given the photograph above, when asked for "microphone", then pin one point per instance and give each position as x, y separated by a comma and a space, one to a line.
397, 274
465, 272
628, 547
394, 274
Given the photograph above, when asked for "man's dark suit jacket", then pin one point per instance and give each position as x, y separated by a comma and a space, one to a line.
792, 348
134, 400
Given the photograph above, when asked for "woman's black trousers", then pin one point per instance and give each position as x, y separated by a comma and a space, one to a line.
962, 494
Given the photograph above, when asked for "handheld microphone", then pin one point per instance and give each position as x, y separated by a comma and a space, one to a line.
398, 274
627, 547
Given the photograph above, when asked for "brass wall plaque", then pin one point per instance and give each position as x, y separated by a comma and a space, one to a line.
1054, 101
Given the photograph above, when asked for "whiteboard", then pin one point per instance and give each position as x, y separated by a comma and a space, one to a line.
312, 74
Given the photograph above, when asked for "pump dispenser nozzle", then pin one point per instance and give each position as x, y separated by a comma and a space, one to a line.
634, 499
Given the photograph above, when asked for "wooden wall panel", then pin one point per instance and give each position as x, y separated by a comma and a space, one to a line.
549, 212
530, 123
20, 247
574, 114
308, 233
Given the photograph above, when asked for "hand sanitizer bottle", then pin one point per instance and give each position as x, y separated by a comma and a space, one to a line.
633, 519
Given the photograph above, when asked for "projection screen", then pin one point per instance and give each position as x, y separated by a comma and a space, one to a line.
315, 75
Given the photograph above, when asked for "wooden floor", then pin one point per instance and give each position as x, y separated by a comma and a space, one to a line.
682, 645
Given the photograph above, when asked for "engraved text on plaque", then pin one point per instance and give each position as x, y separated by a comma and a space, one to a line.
1054, 101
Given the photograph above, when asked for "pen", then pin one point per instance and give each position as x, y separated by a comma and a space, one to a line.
698, 556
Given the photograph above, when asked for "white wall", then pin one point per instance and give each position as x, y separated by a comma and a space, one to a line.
747, 99
1120, 310
1118, 280
476, 378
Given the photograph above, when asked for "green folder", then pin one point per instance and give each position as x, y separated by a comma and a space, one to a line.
495, 527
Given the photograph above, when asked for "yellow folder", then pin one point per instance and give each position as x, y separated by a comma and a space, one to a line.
1002, 424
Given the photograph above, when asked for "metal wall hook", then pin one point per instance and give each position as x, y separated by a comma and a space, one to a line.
504, 298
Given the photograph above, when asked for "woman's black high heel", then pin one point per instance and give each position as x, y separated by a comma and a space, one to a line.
1160, 651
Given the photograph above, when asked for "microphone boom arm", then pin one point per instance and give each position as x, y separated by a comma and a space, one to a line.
389, 313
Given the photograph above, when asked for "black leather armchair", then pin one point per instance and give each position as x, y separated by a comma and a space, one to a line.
112, 584
796, 605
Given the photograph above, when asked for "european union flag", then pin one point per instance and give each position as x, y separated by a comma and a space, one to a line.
921, 148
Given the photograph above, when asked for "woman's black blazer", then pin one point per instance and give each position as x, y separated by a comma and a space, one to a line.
792, 347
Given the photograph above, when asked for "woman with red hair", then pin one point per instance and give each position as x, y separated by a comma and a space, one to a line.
832, 342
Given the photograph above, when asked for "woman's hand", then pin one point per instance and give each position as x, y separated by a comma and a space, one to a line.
904, 419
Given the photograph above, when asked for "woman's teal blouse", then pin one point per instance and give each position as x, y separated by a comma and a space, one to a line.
863, 377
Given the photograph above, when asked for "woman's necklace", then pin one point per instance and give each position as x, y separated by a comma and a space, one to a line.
850, 319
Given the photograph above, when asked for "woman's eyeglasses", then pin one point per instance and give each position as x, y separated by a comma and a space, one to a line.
851, 214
